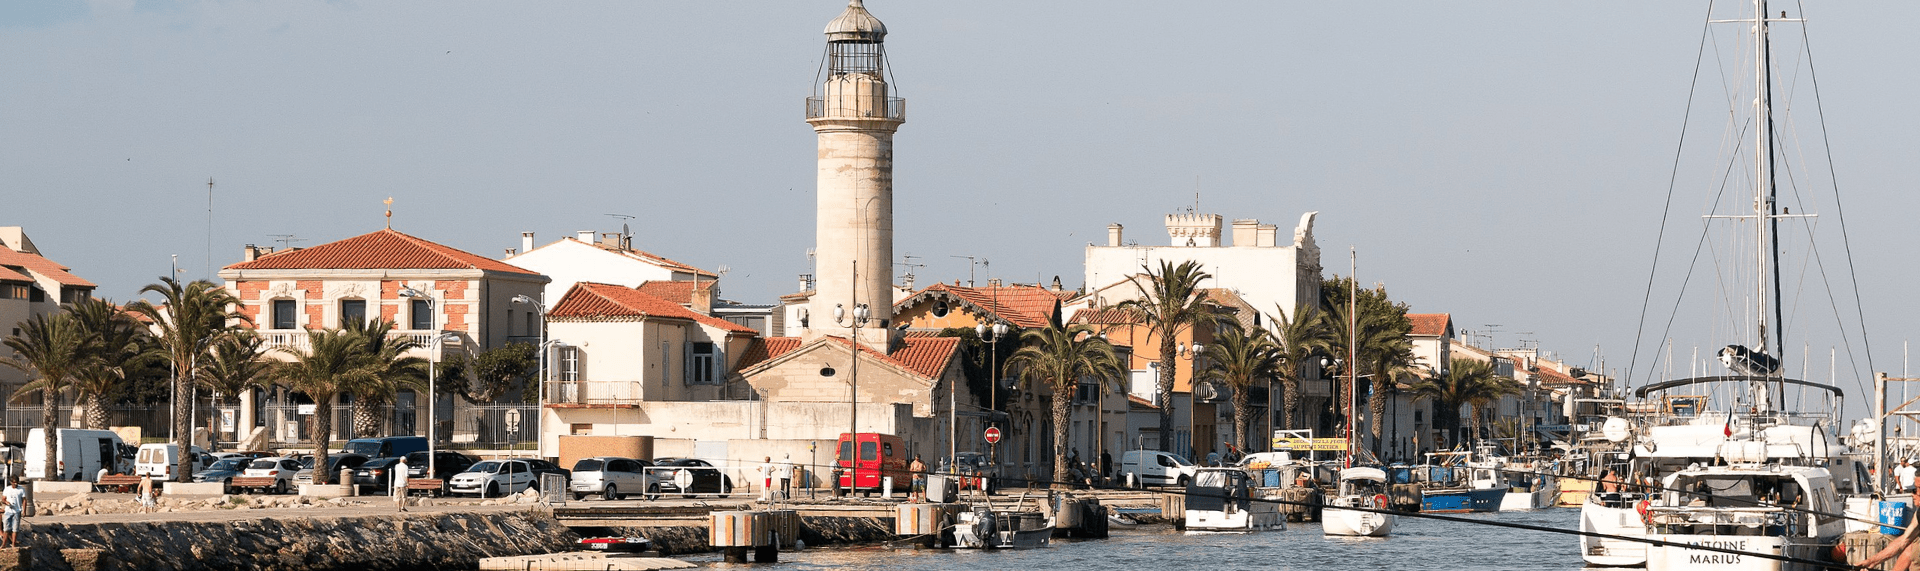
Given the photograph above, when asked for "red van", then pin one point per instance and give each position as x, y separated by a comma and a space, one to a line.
881, 456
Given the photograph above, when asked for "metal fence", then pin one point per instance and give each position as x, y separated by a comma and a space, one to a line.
490, 426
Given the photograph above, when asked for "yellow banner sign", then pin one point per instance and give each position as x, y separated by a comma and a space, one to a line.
1310, 444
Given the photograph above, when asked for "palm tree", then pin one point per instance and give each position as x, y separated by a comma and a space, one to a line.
1298, 339
333, 363
1059, 359
54, 347
118, 348
235, 365
391, 370
190, 319
1171, 301
1238, 358
1490, 389
1465, 381
1380, 349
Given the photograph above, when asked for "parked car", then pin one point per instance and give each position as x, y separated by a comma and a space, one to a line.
976, 472
280, 467
446, 463
493, 478
1155, 468
689, 476
376, 476
388, 447
249, 454
334, 463
612, 478
223, 471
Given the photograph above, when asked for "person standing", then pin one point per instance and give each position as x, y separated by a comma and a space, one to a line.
785, 476
919, 471
400, 483
1905, 474
15, 499
766, 478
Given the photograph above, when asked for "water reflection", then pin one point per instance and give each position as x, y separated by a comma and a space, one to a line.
1416, 544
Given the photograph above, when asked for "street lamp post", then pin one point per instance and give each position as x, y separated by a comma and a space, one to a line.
998, 330
540, 416
434, 348
860, 315
1193, 404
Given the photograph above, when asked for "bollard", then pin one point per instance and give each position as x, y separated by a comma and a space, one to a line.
886, 487
346, 482
735, 532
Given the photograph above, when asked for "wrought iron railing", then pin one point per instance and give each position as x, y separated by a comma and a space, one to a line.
594, 392
857, 107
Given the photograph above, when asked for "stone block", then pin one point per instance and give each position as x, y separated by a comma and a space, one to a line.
88, 559
325, 490
43, 488
193, 489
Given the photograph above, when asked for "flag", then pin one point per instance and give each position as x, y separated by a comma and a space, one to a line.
1728, 429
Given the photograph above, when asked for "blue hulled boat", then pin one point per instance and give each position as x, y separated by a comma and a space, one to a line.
1460, 482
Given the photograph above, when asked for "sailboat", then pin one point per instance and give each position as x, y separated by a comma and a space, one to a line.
1737, 468
1360, 486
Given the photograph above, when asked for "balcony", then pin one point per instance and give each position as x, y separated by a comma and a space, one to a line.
590, 394
857, 107
296, 340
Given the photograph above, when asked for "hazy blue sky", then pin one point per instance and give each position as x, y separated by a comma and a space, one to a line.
1502, 161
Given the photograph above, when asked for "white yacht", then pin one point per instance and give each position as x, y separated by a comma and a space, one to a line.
1223, 500
1364, 488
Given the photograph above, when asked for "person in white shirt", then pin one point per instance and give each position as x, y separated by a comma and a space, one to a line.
1905, 474
15, 499
400, 483
785, 475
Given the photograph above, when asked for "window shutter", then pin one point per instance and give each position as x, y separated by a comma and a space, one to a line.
719, 364
686, 362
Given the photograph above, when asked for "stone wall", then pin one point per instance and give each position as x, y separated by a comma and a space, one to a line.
395, 541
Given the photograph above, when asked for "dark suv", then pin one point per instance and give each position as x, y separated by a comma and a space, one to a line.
446, 463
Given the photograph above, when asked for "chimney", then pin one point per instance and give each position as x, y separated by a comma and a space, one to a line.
806, 282
1113, 234
510, 252
702, 297
610, 240
1266, 236
1245, 232
1056, 283
995, 282
526, 241
251, 252
585, 236
909, 281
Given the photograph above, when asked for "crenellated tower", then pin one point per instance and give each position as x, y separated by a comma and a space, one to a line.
855, 115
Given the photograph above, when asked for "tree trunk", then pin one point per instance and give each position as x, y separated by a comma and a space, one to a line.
97, 417
49, 423
1240, 419
322, 437
1165, 389
1377, 411
183, 418
1292, 395
1062, 400
366, 418
1476, 425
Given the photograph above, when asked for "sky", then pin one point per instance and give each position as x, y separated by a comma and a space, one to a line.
1505, 162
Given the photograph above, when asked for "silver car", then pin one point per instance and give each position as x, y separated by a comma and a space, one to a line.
612, 478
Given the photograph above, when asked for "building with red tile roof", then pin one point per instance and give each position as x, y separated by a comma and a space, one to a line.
941, 306
377, 276
30, 285
613, 335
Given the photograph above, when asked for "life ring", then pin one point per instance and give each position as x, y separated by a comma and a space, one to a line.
1380, 501
1646, 516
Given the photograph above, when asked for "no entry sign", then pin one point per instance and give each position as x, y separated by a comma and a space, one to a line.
993, 435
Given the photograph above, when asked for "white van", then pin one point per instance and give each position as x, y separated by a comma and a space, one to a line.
80, 454
159, 459
1155, 468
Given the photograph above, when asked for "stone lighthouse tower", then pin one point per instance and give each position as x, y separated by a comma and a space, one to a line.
855, 117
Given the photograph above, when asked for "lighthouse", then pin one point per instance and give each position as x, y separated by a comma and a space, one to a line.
854, 115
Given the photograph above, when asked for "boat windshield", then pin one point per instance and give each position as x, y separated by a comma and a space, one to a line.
1213, 479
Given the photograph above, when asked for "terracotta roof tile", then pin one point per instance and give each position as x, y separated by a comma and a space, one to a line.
1548, 376
589, 300
680, 292
1108, 316
36, 264
764, 348
1021, 305
382, 249
13, 276
1430, 324
927, 356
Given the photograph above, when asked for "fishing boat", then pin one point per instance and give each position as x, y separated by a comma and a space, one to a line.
1361, 487
1222, 500
1461, 482
985, 528
1529, 489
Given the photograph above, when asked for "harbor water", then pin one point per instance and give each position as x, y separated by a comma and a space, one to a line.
1416, 544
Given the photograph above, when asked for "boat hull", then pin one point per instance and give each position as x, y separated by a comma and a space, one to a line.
1543, 495
1666, 558
1462, 501
1349, 523
1259, 516
1620, 519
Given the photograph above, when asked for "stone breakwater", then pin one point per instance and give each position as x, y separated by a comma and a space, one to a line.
814, 531
388, 542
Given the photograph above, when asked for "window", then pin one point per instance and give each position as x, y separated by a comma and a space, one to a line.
702, 363
13, 291
352, 310
581, 429
867, 451
422, 312
533, 327
36, 295
569, 364
284, 316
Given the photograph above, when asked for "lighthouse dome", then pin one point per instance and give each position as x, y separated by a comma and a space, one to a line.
856, 25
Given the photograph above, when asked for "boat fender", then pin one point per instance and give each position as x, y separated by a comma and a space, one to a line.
1646, 517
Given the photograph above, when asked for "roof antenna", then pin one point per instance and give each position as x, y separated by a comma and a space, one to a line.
626, 235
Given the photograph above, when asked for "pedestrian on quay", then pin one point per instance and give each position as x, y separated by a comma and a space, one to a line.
1106, 464
15, 499
146, 492
766, 478
784, 475
919, 471
400, 484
